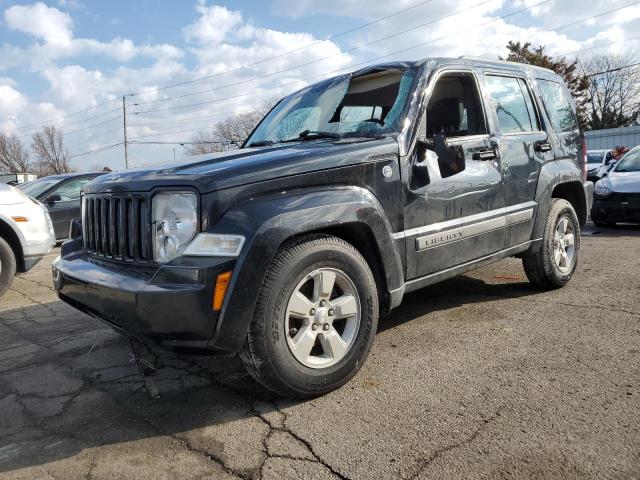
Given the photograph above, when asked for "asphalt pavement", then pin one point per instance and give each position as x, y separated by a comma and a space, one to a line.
481, 376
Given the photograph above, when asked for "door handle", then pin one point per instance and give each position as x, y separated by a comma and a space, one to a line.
486, 154
542, 146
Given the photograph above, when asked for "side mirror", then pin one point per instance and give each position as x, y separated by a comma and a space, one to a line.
609, 156
53, 198
450, 158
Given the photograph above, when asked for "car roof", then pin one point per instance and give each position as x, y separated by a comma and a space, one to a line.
62, 176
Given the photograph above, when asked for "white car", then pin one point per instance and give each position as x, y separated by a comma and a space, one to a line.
26, 233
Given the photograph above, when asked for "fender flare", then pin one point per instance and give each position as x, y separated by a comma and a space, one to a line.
267, 222
551, 175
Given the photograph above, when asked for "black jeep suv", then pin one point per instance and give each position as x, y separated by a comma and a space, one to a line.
348, 194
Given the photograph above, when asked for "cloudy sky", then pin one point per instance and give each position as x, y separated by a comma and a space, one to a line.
186, 64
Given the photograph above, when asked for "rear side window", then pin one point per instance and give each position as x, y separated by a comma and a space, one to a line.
558, 106
513, 104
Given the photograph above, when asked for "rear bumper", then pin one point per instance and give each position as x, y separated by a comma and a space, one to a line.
170, 305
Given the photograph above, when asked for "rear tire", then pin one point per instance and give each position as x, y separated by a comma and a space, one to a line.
7, 266
315, 318
556, 260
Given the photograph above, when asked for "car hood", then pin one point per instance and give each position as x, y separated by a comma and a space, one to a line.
248, 165
623, 182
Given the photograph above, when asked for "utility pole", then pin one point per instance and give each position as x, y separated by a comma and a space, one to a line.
124, 125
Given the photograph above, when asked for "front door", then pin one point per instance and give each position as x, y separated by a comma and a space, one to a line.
454, 212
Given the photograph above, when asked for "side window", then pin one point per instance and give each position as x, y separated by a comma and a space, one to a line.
558, 106
71, 190
455, 108
513, 104
359, 114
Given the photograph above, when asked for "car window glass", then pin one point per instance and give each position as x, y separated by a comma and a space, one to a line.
71, 190
36, 187
558, 106
455, 108
513, 104
630, 162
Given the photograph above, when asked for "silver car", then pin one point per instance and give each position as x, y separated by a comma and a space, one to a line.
617, 195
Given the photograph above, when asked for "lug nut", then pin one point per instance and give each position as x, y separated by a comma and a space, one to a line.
314, 327
322, 303
325, 327
312, 311
331, 312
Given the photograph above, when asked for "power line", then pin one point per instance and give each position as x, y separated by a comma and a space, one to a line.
96, 150
344, 52
348, 67
567, 25
331, 37
73, 123
613, 69
64, 116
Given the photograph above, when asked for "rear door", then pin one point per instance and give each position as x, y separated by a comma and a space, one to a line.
524, 147
564, 124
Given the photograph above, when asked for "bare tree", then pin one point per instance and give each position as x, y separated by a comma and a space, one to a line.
14, 157
614, 91
227, 134
48, 148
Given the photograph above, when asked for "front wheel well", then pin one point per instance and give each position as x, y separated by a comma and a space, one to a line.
363, 240
12, 239
573, 192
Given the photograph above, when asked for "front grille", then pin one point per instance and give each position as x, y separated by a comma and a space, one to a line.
624, 197
117, 226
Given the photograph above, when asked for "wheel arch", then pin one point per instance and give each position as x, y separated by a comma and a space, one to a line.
11, 237
573, 192
350, 213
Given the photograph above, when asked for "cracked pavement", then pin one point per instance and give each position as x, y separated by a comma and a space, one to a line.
478, 377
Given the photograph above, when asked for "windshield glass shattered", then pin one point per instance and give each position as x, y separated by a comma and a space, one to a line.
369, 105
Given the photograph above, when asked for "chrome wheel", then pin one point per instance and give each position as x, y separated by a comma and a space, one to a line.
322, 318
564, 244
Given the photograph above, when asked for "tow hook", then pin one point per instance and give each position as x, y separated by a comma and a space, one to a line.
147, 363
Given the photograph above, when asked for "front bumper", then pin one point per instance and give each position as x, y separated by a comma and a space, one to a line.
170, 305
604, 211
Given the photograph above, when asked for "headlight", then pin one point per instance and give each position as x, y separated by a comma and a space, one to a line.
175, 223
215, 245
602, 191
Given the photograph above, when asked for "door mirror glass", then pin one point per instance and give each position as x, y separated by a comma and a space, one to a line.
450, 157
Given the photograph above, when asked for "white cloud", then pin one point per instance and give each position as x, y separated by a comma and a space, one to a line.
41, 21
214, 24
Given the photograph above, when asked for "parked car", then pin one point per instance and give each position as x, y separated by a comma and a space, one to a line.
617, 195
61, 195
26, 234
349, 194
595, 160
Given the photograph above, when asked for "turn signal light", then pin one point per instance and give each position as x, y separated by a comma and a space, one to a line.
222, 283
20, 219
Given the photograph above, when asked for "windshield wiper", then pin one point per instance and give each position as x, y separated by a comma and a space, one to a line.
261, 143
313, 134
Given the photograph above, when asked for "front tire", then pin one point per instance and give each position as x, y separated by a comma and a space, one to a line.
315, 319
556, 260
7, 266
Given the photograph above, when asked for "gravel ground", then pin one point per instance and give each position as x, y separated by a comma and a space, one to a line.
478, 377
